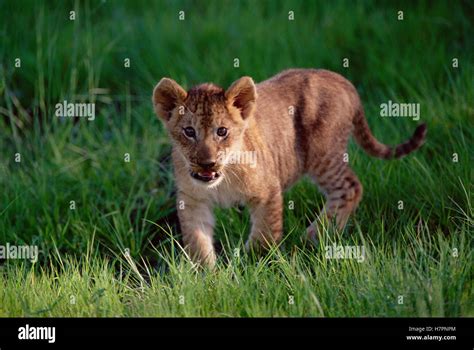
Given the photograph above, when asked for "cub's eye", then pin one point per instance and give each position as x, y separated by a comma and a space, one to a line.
189, 132
221, 132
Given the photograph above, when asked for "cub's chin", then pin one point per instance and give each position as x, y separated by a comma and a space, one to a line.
207, 178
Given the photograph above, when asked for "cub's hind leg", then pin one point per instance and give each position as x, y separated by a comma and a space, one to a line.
342, 189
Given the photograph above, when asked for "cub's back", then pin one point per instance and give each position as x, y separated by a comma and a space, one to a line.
300, 110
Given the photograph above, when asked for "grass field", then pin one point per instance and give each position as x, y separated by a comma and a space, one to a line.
106, 228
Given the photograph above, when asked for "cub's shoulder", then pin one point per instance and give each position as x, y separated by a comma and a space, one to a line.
298, 74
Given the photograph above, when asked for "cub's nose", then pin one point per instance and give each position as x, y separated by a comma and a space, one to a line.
207, 164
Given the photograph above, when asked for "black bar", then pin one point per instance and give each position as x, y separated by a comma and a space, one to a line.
119, 331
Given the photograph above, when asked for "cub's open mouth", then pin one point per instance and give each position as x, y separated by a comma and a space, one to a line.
205, 176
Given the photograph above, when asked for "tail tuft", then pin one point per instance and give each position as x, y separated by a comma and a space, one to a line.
373, 147
415, 142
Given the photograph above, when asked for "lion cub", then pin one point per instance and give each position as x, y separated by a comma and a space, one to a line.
296, 123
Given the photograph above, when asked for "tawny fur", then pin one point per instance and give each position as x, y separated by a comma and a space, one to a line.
298, 122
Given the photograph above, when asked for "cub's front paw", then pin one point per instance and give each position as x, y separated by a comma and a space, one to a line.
207, 262
312, 234
258, 247
249, 246
254, 246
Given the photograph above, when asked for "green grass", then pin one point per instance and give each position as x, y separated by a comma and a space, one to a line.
423, 252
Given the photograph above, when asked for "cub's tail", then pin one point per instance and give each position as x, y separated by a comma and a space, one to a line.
373, 147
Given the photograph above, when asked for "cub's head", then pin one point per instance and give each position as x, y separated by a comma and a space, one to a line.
206, 123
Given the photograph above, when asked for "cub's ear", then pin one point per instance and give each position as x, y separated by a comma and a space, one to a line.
242, 94
166, 96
